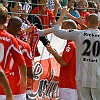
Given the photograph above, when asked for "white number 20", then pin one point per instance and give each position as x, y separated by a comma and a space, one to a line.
1, 52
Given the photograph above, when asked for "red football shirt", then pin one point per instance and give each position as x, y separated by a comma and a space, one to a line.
9, 47
68, 72
14, 75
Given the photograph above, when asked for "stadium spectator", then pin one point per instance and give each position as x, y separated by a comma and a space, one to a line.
82, 9
72, 10
45, 14
92, 7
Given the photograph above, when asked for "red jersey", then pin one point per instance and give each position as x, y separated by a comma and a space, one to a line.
9, 45
26, 51
14, 75
68, 72
45, 17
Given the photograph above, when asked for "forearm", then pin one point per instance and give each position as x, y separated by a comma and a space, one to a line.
59, 58
60, 20
23, 71
44, 40
5, 85
47, 31
71, 17
56, 9
29, 72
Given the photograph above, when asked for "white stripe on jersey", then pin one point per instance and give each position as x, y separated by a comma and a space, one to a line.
9, 48
25, 50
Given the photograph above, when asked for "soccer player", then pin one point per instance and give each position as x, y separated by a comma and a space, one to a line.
67, 83
14, 70
26, 50
87, 55
9, 45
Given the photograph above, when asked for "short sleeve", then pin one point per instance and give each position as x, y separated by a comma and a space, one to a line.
16, 53
68, 52
27, 55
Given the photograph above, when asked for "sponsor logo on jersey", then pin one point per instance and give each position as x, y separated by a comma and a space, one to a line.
4, 38
91, 34
68, 48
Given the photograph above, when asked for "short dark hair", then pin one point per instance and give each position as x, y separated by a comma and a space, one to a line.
93, 19
70, 24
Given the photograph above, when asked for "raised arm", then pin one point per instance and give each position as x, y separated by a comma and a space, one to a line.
65, 12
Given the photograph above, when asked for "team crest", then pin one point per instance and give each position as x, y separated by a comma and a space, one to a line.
68, 48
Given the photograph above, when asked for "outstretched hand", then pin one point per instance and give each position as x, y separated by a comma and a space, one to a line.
81, 21
23, 83
65, 11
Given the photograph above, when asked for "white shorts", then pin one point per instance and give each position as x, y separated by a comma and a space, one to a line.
85, 93
16, 97
67, 94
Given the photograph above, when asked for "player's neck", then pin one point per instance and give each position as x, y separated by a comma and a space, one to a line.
91, 26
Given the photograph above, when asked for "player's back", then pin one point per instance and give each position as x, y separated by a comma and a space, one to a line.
13, 74
88, 57
5, 46
26, 51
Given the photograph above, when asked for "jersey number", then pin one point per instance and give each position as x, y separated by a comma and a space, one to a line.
95, 48
1, 52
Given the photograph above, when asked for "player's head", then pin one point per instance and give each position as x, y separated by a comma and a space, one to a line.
69, 24
3, 15
92, 20
14, 25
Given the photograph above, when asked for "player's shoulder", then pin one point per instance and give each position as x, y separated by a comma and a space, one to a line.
7, 35
4, 32
24, 44
71, 43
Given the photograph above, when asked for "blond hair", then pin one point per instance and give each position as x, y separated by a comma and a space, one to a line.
3, 15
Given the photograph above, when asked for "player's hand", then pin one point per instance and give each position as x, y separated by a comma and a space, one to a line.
50, 49
23, 83
29, 29
81, 20
65, 11
30, 82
